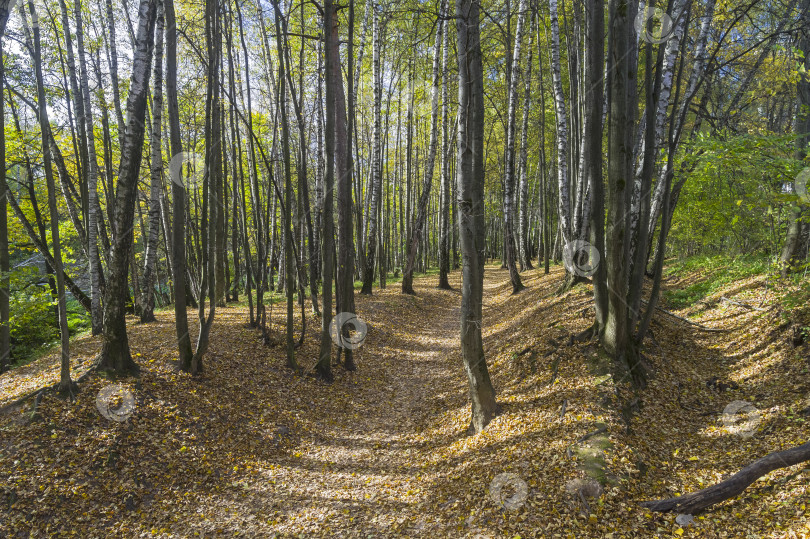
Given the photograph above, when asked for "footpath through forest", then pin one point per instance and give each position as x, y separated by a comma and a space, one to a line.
251, 449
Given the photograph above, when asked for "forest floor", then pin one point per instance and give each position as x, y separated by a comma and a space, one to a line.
251, 449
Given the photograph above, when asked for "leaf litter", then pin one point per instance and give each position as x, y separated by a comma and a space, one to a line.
251, 449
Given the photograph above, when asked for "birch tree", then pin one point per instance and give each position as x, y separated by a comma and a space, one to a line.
148, 301
509, 158
376, 155
564, 202
444, 214
524, 250
115, 353
427, 182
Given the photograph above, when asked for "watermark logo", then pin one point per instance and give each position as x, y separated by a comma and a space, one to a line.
662, 27
348, 330
509, 491
116, 403
801, 185
190, 165
581, 258
741, 418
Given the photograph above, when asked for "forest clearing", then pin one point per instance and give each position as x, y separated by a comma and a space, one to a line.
405, 268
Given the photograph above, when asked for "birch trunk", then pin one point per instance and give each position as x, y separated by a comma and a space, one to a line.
115, 354
376, 158
444, 212
509, 164
523, 216
564, 203
698, 70
427, 182
96, 315
155, 188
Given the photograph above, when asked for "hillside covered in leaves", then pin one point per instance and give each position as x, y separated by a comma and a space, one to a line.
251, 449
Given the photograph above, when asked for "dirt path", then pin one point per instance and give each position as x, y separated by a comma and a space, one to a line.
365, 464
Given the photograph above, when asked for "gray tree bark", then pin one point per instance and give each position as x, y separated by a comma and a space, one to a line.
470, 185
66, 385
178, 194
430, 163
115, 354
324, 365
524, 251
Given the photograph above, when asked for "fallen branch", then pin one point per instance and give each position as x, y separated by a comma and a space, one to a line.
600, 430
741, 304
695, 324
696, 502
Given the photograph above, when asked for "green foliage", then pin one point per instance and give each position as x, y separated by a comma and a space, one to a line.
33, 320
735, 200
34, 324
796, 305
715, 272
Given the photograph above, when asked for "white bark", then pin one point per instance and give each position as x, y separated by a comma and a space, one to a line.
562, 126
523, 217
698, 70
93, 213
148, 302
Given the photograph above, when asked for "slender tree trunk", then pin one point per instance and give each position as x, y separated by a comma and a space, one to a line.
592, 148
114, 70
509, 161
96, 315
115, 354
444, 211
791, 252
5, 334
470, 181
78, 103
524, 250
288, 191
376, 157
211, 182
427, 183
148, 300
66, 385
324, 365
343, 163
178, 194
564, 206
